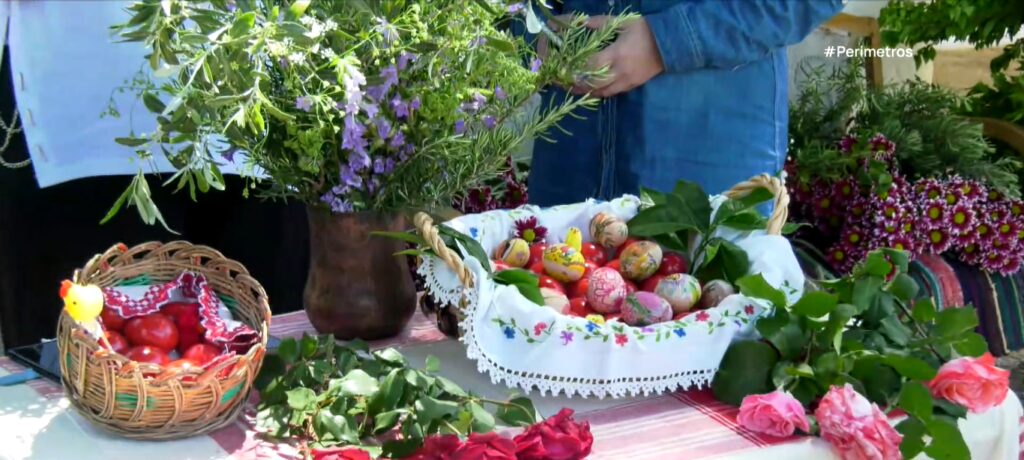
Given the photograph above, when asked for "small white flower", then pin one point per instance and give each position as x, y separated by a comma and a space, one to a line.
297, 58
307, 20
276, 48
328, 52
330, 24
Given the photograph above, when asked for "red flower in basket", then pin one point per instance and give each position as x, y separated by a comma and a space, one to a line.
557, 438
340, 453
437, 448
487, 446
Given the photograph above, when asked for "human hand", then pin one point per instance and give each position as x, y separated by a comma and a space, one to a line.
632, 59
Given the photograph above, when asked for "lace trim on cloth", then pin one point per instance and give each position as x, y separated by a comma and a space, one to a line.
441, 281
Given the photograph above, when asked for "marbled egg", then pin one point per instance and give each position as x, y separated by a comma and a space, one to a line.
608, 231
515, 252
605, 290
564, 263
714, 292
640, 260
682, 291
644, 308
555, 300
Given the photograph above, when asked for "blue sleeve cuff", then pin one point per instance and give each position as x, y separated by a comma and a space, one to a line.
676, 39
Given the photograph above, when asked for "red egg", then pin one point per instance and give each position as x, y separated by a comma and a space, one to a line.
630, 287
537, 268
612, 316
537, 253
650, 284
629, 241
155, 329
551, 283
148, 354
578, 288
594, 253
616, 264
588, 268
181, 311
498, 265
183, 364
118, 343
201, 353
111, 320
578, 307
672, 263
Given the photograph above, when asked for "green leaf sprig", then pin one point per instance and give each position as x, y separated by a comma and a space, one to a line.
320, 394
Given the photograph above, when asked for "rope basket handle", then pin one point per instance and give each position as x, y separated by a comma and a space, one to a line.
425, 224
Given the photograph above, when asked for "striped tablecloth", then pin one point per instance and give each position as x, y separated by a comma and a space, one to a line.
35, 422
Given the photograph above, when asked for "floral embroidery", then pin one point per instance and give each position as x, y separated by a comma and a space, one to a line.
566, 337
474, 232
592, 326
509, 332
621, 339
538, 328
749, 309
679, 332
703, 316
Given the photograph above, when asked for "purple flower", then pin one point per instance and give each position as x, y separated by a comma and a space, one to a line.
478, 102
370, 109
353, 80
460, 127
376, 92
337, 204
229, 155
373, 185
499, 93
397, 140
349, 178
304, 103
386, 30
515, 8
404, 59
378, 166
390, 76
478, 41
414, 104
535, 65
566, 337
406, 152
231, 6
400, 108
352, 136
389, 165
383, 128
490, 122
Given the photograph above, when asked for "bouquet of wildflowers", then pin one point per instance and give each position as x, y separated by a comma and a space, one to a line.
867, 204
352, 105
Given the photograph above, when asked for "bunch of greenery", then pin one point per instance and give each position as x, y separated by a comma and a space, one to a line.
868, 329
933, 138
347, 104
983, 23
319, 394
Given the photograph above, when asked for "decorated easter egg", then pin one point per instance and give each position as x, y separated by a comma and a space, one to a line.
608, 231
682, 291
555, 300
714, 292
644, 308
640, 260
605, 290
564, 263
515, 252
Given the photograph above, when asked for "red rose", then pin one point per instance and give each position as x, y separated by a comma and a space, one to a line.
437, 448
340, 453
488, 446
557, 438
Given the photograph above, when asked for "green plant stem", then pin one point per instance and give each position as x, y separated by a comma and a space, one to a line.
919, 329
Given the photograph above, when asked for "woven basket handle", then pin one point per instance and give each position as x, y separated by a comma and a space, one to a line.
425, 224
773, 184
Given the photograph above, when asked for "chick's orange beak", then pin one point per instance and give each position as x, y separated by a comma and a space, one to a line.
64, 287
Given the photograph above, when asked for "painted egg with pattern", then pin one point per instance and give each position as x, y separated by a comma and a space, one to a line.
645, 308
515, 252
714, 292
640, 260
605, 290
608, 231
682, 291
555, 300
564, 263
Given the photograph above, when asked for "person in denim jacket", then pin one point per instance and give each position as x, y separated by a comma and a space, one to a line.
697, 91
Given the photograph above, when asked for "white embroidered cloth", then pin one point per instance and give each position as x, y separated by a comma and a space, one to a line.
534, 348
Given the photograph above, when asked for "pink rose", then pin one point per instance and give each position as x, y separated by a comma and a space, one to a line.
776, 414
340, 453
855, 427
975, 383
556, 438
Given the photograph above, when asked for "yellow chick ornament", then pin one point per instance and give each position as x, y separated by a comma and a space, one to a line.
84, 304
564, 262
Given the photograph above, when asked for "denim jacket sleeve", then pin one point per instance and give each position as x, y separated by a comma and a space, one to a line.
724, 34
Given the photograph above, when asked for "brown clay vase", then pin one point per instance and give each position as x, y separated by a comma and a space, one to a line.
357, 287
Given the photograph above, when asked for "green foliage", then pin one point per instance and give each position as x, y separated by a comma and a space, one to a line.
270, 80
324, 394
867, 329
932, 137
678, 219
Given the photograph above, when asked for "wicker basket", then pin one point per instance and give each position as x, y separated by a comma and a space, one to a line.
448, 317
116, 394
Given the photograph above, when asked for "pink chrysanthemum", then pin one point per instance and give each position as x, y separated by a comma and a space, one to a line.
841, 258
529, 230
1011, 265
971, 254
882, 146
960, 219
974, 190
1016, 208
847, 143
939, 240
928, 189
993, 260
933, 214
